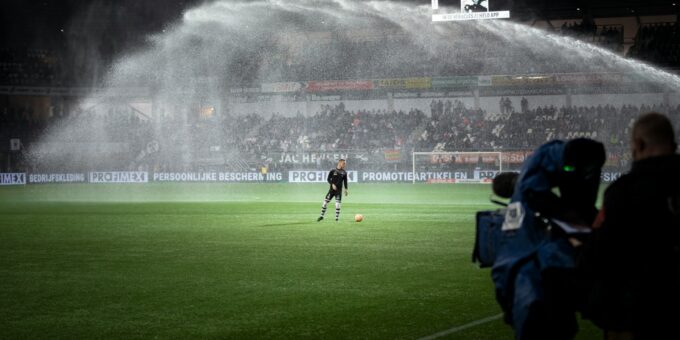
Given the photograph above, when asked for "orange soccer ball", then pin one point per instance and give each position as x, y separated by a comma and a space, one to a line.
358, 217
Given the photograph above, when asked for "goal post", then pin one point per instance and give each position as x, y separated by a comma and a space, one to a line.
456, 167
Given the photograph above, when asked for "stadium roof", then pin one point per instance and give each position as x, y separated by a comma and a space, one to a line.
125, 22
568, 9
20, 16
559, 9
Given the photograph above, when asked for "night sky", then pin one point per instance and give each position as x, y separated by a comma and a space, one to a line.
112, 27
46, 23
26, 22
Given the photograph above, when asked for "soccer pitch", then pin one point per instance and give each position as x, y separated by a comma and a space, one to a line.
243, 261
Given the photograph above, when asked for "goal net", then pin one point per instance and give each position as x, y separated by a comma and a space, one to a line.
456, 167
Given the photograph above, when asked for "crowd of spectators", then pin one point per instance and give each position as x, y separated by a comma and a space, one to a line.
476, 51
122, 136
658, 44
74, 137
583, 29
335, 128
607, 36
458, 128
34, 67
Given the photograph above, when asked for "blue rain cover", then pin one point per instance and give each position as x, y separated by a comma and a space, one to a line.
525, 248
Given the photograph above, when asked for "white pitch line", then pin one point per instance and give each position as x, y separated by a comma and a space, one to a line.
463, 327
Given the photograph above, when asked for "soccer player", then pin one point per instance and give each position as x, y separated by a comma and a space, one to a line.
336, 178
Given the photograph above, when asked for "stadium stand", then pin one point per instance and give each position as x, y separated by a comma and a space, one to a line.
28, 67
658, 43
607, 36
450, 127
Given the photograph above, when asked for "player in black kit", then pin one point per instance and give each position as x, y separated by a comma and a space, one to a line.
336, 178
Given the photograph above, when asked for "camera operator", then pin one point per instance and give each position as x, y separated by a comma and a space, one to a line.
533, 271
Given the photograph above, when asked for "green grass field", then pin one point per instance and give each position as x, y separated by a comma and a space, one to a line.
243, 261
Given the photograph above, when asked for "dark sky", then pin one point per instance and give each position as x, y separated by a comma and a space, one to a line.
87, 35
40, 22
51, 23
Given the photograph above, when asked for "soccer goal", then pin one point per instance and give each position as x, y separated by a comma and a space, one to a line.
456, 167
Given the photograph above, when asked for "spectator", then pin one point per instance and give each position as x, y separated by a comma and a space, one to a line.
525, 105
633, 257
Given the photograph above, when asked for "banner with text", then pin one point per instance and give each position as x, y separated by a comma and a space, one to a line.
451, 82
465, 158
404, 83
217, 177
281, 87
520, 80
311, 176
392, 155
508, 158
339, 85
515, 157
57, 178
12, 178
610, 176
595, 78
521, 91
476, 176
119, 177
305, 176
101, 148
314, 157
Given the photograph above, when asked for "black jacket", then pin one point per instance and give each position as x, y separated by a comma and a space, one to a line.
337, 177
633, 259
